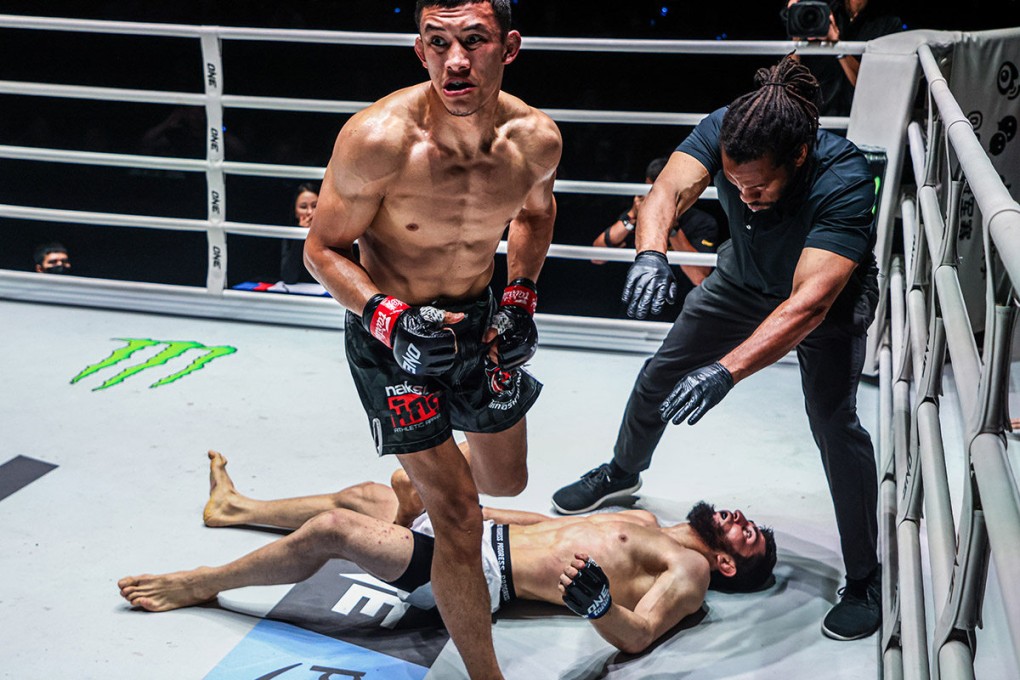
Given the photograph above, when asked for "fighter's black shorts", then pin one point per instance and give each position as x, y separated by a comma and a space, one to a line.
412, 413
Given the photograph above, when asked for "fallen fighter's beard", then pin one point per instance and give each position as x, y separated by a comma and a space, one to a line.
702, 519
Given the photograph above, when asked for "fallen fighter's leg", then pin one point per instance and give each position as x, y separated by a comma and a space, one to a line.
380, 548
228, 507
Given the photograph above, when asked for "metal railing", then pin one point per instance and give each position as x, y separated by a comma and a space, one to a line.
928, 317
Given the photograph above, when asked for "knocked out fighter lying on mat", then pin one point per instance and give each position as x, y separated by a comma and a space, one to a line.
632, 578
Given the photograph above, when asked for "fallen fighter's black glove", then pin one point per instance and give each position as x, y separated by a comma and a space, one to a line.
588, 592
650, 283
697, 392
514, 322
420, 343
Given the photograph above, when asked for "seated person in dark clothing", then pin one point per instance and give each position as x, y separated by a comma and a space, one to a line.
292, 264
854, 20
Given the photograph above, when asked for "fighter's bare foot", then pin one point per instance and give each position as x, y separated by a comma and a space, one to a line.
163, 592
224, 507
409, 503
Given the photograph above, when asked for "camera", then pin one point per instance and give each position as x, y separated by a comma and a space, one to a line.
807, 19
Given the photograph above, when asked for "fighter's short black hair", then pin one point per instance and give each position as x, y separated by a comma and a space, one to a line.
501, 8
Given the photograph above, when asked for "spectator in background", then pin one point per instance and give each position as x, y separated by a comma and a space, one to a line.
694, 231
52, 258
292, 264
853, 20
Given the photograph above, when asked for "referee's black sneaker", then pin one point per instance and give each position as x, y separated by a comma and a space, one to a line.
595, 488
858, 613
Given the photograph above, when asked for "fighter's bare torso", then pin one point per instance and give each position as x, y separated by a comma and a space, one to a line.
629, 546
435, 192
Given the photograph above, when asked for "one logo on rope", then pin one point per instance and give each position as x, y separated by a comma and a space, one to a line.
172, 349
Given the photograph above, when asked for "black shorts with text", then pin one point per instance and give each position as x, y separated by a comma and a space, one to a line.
409, 413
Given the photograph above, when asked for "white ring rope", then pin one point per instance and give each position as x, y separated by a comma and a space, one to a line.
20, 212
340, 106
344, 106
568, 252
31, 153
749, 47
113, 94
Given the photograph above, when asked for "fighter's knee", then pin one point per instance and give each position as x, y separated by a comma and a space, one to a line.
456, 514
364, 490
329, 524
374, 492
505, 485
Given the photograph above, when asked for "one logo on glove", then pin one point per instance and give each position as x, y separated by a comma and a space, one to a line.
588, 592
411, 361
601, 604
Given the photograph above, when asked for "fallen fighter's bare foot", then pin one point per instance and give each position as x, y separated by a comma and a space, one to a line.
163, 592
409, 503
224, 507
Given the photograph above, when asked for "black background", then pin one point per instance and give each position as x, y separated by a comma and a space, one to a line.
677, 83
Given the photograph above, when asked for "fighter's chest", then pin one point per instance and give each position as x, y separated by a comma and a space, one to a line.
499, 178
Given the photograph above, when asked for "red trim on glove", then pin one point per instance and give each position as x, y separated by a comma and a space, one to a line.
520, 296
384, 320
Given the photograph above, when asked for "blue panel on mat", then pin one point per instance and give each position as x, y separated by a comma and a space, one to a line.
279, 650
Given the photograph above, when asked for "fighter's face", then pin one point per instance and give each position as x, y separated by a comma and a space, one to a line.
739, 534
760, 182
464, 52
726, 530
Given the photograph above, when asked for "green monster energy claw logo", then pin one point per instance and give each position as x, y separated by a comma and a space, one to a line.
173, 349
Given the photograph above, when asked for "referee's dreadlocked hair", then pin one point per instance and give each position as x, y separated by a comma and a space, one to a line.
775, 120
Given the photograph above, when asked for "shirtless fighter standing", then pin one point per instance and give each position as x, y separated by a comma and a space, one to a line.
427, 180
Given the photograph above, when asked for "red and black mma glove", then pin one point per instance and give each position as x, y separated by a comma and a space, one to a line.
514, 321
420, 343
588, 592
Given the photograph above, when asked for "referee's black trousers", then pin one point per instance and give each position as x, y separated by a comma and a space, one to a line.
716, 317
